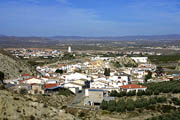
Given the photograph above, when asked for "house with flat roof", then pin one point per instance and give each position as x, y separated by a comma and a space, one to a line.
34, 80
36, 89
95, 96
73, 84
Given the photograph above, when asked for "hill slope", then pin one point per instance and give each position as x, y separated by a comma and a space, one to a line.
11, 65
27, 107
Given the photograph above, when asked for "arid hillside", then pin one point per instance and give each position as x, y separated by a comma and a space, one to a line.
28, 107
12, 66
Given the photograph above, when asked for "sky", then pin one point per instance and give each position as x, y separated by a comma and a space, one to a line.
89, 17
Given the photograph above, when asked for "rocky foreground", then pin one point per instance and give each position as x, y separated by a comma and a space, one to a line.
37, 107
15, 106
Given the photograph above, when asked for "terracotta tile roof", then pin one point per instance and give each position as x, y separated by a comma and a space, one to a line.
21, 80
50, 85
25, 75
46, 77
132, 86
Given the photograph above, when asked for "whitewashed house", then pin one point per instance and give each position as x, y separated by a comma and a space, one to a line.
34, 81
99, 84
73, 85
76, 76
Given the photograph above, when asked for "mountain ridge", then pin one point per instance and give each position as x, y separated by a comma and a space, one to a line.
35, 41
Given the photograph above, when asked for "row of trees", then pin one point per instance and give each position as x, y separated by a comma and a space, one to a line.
130, 104
67, 56
170, 116
152, 89
148, 76
164, 58
164, 87
114, 93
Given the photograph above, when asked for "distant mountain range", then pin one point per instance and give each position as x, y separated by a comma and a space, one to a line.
137, 37
16, 41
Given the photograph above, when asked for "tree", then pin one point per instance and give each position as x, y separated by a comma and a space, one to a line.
148, 92
123, 93
116, 64
131, 93
59, 71
68, 56
104, 105
112, 105
175, 100
148, 76
152, 100
107, 72
121, 106
130, 105
140, 92
156, 92
1, 77
161, 99
159, 71
139, 103
114, 93
23, 91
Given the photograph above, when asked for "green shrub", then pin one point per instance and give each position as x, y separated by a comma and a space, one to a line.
23, 91
65, 92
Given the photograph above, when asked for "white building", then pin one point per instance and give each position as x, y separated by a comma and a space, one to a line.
69, 49
73, 85
99, 84
140, 59
76, 76
34, 80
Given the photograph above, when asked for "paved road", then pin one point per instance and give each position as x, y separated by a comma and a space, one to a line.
78, 97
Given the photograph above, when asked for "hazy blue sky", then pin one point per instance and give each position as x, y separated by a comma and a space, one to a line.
89, 17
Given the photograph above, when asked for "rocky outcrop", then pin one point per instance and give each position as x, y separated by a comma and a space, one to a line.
125, 62
27, 107
11, 66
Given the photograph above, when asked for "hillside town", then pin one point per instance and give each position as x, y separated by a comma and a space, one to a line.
91, 81
90, 60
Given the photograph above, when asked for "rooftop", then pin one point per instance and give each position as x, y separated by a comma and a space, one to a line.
95, 90
132, 86
50, 85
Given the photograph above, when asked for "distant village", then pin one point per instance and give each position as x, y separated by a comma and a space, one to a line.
94, 78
